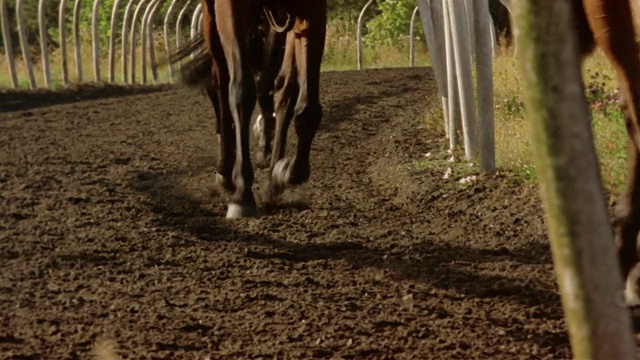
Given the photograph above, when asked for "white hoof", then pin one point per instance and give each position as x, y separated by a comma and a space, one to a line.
237, 211
631, 296
280, 172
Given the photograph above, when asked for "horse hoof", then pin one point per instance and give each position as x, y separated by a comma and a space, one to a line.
631, 296
280, 174
237, 211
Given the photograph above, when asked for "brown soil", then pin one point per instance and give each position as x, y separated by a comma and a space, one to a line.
112, 235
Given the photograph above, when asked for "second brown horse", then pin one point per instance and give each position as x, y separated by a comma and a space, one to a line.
609, 25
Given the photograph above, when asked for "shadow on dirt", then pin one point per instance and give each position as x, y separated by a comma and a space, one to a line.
19, 100
440, 265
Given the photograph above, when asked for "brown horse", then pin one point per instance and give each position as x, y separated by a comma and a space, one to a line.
238, 46
609, 25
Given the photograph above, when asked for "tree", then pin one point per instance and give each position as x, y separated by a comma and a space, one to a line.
581, 237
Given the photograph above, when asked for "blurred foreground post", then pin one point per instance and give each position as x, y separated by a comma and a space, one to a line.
581, 237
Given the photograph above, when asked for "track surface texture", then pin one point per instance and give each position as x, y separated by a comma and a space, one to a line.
112, 237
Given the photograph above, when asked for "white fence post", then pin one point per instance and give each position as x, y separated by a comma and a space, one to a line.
144, 38
132, 41
8, 46
125, 37
181, 15
360, 18
152, 45
167, 44
96, 40
44, 51
26, 56
432, 17
62, 29
412, 41
112, 40
77, 43
461, 47
194, 20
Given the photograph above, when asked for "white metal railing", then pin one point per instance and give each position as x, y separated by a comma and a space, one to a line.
136, 36
459, 34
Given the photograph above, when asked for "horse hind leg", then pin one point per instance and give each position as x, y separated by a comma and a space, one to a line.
309, 47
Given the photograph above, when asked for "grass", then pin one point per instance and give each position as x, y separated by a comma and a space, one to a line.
513, 140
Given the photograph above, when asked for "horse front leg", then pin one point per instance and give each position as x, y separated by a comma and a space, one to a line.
231, 20
309, 48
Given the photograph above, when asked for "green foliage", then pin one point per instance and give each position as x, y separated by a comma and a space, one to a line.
345, 9
392, 22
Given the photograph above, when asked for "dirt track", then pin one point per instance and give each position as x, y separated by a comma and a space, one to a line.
111, 232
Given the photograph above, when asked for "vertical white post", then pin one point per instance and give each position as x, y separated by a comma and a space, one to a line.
77, 43
96, 40
452, 80
144, 37
167, 43
112, 40
360, 18
22, 30
412, 40
194, 20
8, 46
468, 7
484, 71
125, 41
44, 46
432, 17
152, 45
132, 44
181, 15
461, 46
62, 29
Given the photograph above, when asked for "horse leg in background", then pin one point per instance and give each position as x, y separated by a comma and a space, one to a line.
286, 92
309, 37
218, 91
272, 58
612, 26
231, 17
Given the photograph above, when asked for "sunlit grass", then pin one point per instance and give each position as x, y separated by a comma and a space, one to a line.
513, 138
